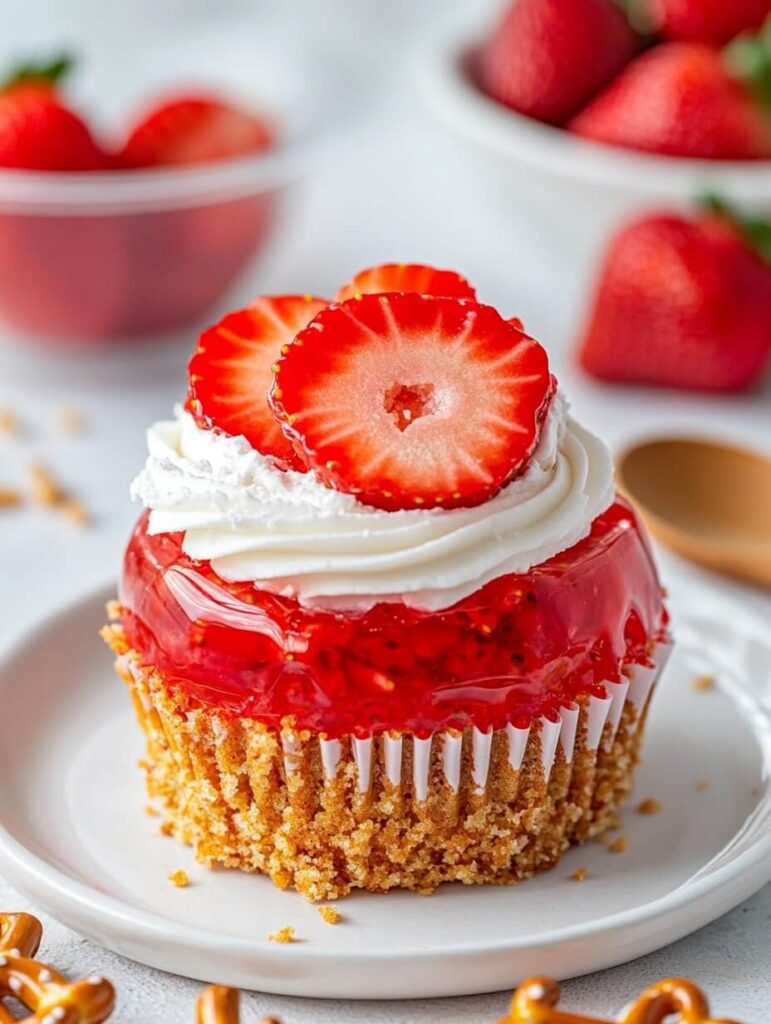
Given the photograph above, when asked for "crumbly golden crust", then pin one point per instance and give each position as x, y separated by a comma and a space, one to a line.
226, 791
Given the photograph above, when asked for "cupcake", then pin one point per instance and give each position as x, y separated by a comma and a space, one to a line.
384, 620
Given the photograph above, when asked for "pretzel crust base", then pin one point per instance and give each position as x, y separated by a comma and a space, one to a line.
223, 785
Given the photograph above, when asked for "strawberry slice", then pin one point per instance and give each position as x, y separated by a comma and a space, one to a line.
412, 400
231, 371
406, 277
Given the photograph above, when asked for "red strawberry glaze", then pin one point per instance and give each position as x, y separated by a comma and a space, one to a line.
521, 646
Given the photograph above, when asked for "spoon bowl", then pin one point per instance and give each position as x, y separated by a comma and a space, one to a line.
707, 500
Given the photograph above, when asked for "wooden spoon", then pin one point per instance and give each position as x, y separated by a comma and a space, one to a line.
708, 501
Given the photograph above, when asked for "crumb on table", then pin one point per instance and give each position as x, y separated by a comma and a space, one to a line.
650, 805
9, 422
702, 785
620, 845
179, 878
75, 511
331, 915
283, 935
70, 420
703, 684
9, 497
579, 875
43, 488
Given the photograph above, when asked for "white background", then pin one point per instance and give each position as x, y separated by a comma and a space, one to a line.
392, 187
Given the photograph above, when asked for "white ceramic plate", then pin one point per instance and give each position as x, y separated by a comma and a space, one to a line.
74, 838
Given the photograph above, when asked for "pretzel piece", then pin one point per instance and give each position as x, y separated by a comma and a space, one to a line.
20, 934
672, 1000
669, 997
41, 989
217, 1004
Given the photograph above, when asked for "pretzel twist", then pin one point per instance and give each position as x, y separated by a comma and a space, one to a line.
53, 1000
41, 989
217, 1004
535, 1002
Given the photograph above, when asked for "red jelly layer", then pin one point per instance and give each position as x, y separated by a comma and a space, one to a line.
521, 646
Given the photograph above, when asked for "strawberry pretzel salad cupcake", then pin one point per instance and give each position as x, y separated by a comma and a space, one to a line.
384, 620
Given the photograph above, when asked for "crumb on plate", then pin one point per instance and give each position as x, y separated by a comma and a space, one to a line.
166, 828
650, 805
150, 811
620, 845
702, 785
179, 878
330, 915
703, 684
579, 875
283, 935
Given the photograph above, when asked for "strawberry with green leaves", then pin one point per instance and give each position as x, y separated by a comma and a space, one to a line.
689, 99
683, 303
38, 130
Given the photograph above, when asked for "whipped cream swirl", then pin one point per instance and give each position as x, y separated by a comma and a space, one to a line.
290, 534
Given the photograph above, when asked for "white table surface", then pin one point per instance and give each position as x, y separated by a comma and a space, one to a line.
397, 189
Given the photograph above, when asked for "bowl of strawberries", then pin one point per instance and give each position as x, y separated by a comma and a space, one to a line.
588, 111
140, 225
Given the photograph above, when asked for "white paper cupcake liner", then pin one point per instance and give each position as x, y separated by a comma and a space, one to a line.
602, 722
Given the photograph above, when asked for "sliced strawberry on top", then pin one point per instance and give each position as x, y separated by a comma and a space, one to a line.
406, 277
193, 129
231, 371
412, 400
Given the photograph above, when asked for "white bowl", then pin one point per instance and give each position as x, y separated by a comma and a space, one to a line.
574, 192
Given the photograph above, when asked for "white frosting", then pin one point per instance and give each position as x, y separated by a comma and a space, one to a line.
290, 534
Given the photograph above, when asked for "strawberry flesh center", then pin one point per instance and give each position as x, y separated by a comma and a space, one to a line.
409, 402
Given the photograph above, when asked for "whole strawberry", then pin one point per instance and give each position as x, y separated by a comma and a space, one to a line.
683, 303
689, 99
547, 58
193, 129
707, 21
38, 131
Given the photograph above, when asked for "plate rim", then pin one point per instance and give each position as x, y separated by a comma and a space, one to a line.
72, 898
